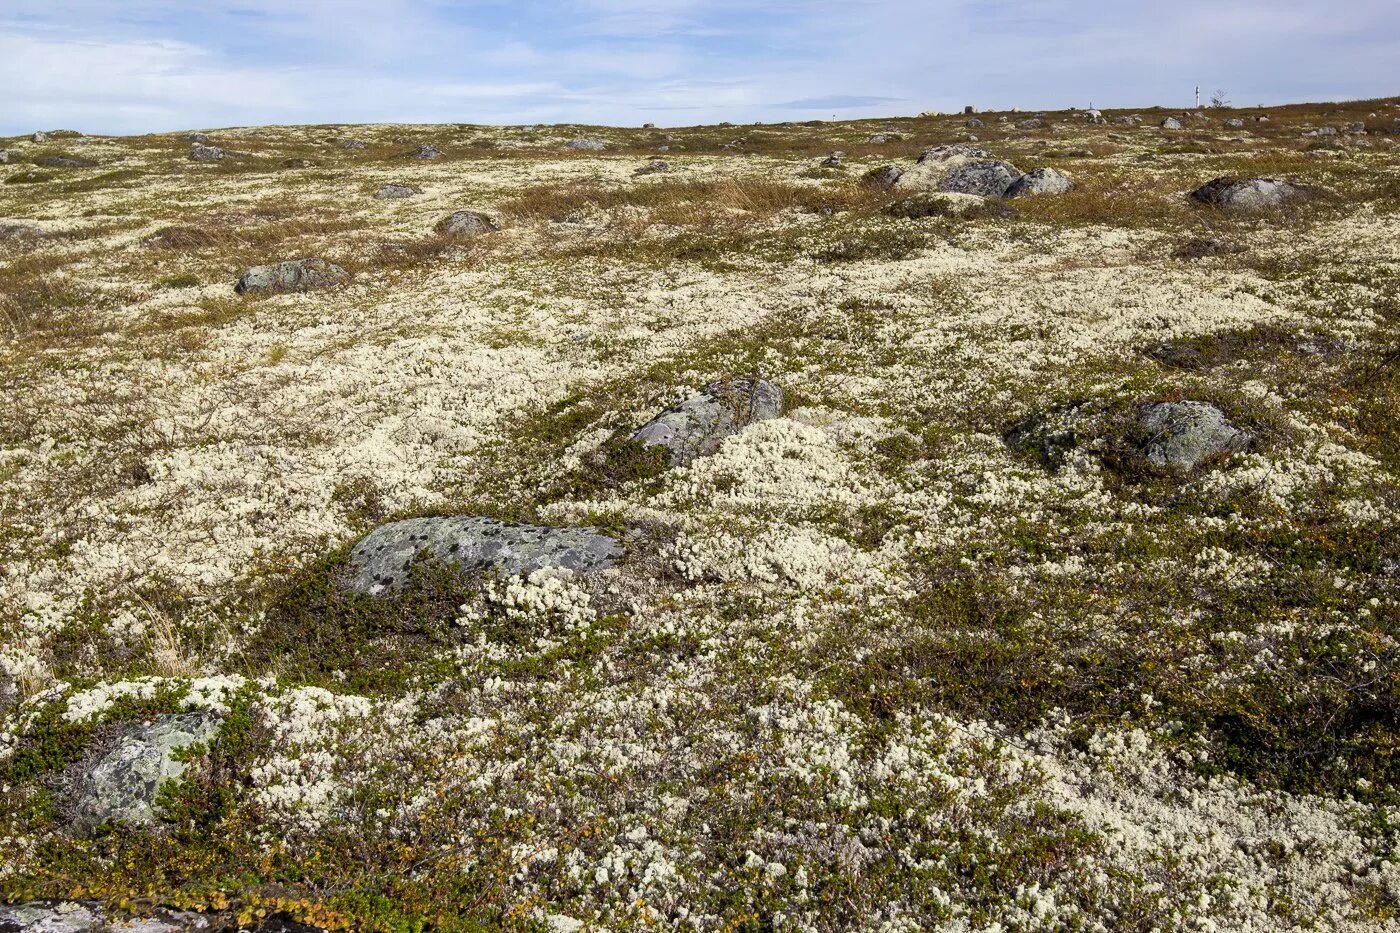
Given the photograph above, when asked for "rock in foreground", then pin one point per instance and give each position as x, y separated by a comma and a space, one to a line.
293, 276
1040, 181
466, 223
697, 426
123, 785
1180, 436
380, 562
1248, 194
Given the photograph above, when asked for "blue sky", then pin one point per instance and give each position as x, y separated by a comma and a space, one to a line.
125, 66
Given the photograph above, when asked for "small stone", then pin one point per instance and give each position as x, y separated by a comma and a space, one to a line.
1034, 123
380, 563
1125, 121
587, 145
39, 137
989, 179
833, 160
655, 167
1038, 182
6, 157
353, 144
1180, 436
292, 276
123, 785
648, 126
397, 192
697, 426
427, 153
195, 138
200, 153
974, 124
466, 223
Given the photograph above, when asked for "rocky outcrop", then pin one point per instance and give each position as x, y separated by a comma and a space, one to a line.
293, 276
697, 426
1249, 194
1038, 182
466, 223
381, 562
989, 179
123, 785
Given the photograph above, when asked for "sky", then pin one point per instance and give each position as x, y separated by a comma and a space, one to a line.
134, 66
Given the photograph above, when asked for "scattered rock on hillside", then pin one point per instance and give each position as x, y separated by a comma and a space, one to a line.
833, 160
195, 138
397, 192
64, 162
39, 137
697, 426
1234, 123
885, 177
974, 124
956, 152
587, 145
990, 179
1200, 249
1034, 123
353, 144
1180, 436
1322, 131
122, 786
380, 562
201, 153
1248, 194
1171, 123
466, 223
6, 157
1040, 181
655, 167
427, 153
1093, 116
291, 276
1125, 121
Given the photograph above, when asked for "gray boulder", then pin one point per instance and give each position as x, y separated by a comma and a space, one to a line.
397, 192
122, 786
1322, 131
833, 160
201, 153
293, 276
586, 145
381, 561
1235, 123
1171, 123
885, 177
1180, 436
697, 426
974, 124
1248, 194
1125, 121
353, 144
195, 138
1034, 123
427, 153
1040, 181
989, 179
93, 917
466, 223
6, 157
39, 137
956, 152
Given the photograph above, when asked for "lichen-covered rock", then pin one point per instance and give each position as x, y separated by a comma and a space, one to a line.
586, 145
51, 917
293, 276
39, 137
427, 153
1234, 123
1171, 123
381, 561
885, 177
1125, 121
1040, 181
466, 223
195, 137
955, 153
1249, 194
697, 426
1034, 123
122, 786
6, 157
834, 160
202, 153
655, 167
989, 179
353, 144
1180, 436
64, 162
974, 124
397, 192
